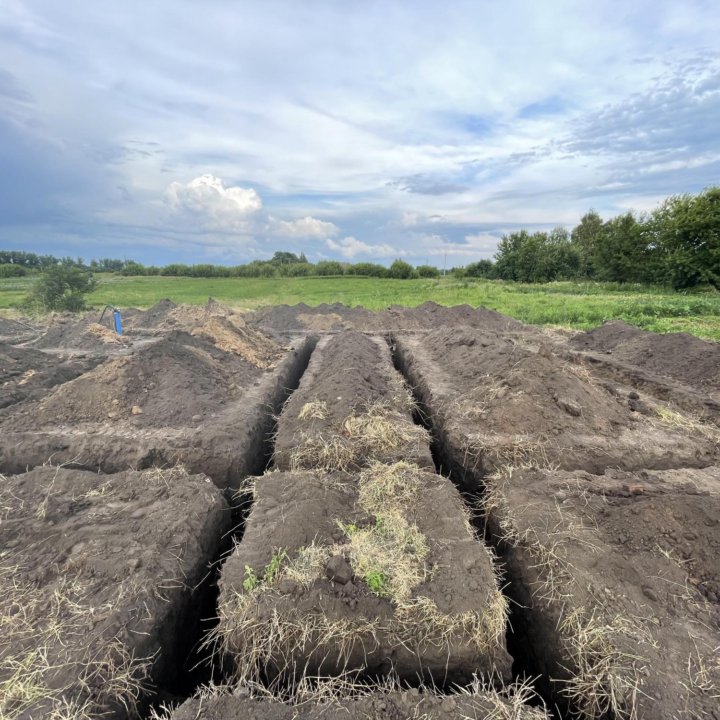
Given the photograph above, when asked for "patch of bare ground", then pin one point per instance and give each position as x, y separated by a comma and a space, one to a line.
97, 576
500, 400
617, 577
374, 574
351, 408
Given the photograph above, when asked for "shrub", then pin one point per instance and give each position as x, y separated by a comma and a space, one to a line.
9, 270
427, 271
329, 267
62, 287
401, 270
366, 269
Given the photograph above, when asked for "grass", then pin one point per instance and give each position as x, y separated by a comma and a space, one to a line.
580, 305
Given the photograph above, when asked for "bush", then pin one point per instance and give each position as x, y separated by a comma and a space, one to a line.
401, 270
328, 267
62, 287
427, 271
11, 270
481, 268
366, 269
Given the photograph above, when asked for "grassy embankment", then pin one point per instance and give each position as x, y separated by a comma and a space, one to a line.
569, 304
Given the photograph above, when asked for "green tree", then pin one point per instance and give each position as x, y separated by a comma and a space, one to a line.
401, 270
328, 267
686, 232
585, 237
62, 287
427, 271
626, 251
482, 268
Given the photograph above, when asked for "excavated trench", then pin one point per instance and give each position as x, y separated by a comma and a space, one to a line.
454, 466
197, 662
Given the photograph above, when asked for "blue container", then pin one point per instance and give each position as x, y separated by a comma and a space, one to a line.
117, 319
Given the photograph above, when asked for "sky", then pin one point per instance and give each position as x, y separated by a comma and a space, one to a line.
223, 130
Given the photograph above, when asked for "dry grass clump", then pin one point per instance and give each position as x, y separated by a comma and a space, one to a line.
389, 556
380, 432
46, 640
316, 410
105, 334
237, 338
683, 421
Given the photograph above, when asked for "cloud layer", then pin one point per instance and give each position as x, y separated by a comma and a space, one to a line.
368, 131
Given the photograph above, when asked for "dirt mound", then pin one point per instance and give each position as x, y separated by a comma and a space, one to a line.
29, 374
67, 331
478, 703
617, 578
351, 407
503, 402
97, 579
165, 384
286, 320
678, 356
377, 573
153, 317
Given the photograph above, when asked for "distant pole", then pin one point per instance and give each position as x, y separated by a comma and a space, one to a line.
444, 264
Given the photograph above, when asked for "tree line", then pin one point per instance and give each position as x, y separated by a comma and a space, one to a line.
676, 244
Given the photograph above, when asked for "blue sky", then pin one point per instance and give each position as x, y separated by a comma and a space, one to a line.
221, 131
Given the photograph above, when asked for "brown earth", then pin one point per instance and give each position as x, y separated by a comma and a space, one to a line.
98, 574
351, 408
27, 374
481, 704
308, 617
678, 356
288, 320
501, 401
618, 577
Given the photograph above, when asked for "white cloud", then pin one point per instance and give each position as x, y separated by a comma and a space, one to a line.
307, 227
350, 247
217, 206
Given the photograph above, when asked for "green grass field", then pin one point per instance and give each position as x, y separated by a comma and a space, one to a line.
576, 305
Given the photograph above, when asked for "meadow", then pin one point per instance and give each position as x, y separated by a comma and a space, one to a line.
567, 304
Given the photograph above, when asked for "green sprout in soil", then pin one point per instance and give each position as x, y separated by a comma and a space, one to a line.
377, 582
272, 569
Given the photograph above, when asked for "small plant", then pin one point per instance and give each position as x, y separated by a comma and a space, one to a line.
273, 567
251, 580
377, 582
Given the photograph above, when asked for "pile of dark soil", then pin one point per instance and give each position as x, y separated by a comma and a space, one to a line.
179, 400
479, 704
287, 320
617, 577
176, 382
27, 374
501, 402
98, 574
326, 582
678, 356
351, 408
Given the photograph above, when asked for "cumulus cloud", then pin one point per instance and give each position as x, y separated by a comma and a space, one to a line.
217, 206
350, 247
307, 227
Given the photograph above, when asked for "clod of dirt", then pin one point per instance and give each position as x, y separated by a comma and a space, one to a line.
97, 575
477, 702
338, 570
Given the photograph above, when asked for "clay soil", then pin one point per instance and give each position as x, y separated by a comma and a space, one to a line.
97, 571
